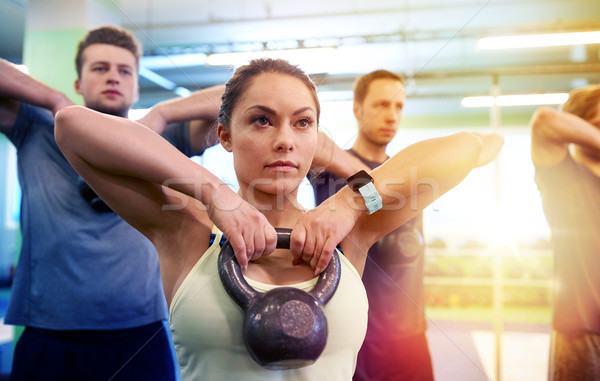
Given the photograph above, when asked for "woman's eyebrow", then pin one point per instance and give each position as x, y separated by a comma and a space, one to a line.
301, 110
273, 112
263, 108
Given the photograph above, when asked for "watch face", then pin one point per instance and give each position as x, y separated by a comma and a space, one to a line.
359, 179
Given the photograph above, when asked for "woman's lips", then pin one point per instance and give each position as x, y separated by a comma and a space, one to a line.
282, 166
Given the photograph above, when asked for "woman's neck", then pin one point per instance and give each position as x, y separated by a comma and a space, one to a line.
281, 210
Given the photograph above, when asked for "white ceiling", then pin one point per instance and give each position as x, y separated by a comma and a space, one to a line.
430, 42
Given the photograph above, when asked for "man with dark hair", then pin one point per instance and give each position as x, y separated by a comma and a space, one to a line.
109, 35
87, 285
395, 347
91, 62
565, 149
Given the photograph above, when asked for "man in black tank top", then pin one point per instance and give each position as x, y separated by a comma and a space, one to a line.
395, 347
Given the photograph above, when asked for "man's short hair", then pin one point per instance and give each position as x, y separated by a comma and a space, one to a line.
583, 102
361, 84
110, 35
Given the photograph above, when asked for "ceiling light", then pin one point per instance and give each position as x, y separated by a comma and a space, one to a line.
157, 79
182, 91
315, 60
163, 82
536, 40
470, 102
173, 60
335, 95
515, 100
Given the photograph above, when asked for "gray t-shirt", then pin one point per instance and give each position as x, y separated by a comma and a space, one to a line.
78, 269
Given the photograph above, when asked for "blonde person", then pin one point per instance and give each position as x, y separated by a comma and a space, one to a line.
565, 146
268, 120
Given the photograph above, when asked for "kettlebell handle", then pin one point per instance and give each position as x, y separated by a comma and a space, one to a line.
242, 293
283, 237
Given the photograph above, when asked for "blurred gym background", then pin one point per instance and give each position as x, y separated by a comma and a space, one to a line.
488, 260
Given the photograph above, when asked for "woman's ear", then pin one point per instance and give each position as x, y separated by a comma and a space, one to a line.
224, 137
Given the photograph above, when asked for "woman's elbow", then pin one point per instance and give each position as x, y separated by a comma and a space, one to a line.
64, 123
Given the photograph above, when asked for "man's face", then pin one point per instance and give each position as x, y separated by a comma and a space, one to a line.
109, 81
380, 112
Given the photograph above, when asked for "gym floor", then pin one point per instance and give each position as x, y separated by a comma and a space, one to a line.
466, 351
460, 350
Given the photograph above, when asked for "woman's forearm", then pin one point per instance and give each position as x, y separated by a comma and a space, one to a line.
123, 147
433, 166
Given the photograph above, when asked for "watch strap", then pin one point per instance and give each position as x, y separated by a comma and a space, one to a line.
373, 200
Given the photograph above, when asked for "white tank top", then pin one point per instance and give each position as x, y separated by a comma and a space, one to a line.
206, 325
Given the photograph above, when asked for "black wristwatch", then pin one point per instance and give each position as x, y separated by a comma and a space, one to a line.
363, 183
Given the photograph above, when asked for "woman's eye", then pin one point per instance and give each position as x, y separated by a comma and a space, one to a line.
260, 120
304, 123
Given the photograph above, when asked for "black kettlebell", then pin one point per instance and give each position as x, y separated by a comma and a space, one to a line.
91, 197
284, 328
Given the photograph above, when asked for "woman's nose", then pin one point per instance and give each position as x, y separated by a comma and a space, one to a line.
284, 140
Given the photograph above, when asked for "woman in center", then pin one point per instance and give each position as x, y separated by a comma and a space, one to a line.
268, 120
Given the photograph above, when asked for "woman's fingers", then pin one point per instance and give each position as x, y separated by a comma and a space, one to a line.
265, 241
239, 249
248, 230
314, 258
270, 239
297, 239
325, 254
313, 241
